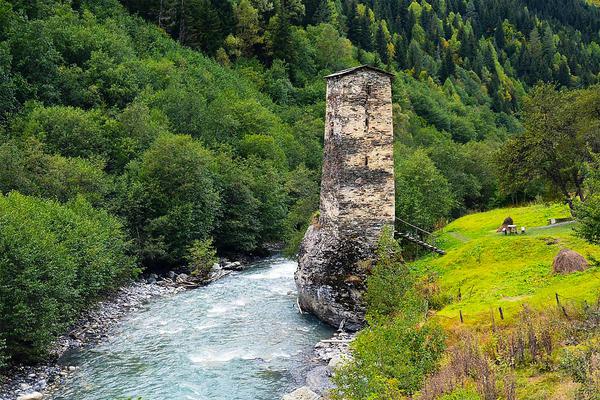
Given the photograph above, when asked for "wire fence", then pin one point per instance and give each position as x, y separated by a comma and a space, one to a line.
568, 306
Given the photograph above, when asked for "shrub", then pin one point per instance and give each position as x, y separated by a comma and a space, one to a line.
54, 260
390, 359
461, 394
28, 170
201, 257
588, 214
393, 355
391, 287
70, 131
169, 198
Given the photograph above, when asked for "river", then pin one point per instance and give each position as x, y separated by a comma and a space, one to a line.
240, 338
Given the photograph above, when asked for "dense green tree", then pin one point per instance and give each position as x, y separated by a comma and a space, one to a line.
423, 194
238, 227
169, 198
56, 260
555, 146
28, 170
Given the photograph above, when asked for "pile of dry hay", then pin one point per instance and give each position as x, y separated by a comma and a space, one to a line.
568, 261
507, 221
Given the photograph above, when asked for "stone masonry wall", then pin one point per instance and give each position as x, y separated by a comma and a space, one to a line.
357, 197
357, 187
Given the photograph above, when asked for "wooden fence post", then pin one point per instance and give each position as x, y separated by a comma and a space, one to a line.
560, 306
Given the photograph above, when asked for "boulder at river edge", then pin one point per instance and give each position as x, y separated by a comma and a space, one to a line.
303, 393
31, 396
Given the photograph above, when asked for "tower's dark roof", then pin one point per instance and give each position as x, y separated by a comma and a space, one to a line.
351, 70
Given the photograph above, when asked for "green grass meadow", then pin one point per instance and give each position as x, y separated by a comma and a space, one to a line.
484, 270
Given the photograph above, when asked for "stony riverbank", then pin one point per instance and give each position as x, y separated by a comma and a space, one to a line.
34, 382
328, 354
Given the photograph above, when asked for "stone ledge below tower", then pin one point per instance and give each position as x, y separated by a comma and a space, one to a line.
331, 277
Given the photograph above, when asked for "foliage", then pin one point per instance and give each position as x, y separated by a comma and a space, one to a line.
31, 171
56, 260
423, 194
391, 289
169, 198
303, 199
201, 257
588, 215
394, 353
461, 394
557, 144
390, 360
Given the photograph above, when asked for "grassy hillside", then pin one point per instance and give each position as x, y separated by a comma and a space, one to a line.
491, 270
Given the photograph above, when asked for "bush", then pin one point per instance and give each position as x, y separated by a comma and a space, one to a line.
393, 355
391, 289
28, 170
54, 261
201, 257
461, 394
70, 131
169, 198
390, 360
588, 214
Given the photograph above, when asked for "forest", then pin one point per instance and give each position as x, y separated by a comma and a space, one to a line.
140, 132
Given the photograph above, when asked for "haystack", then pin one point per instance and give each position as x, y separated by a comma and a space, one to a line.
507, 221
568, 261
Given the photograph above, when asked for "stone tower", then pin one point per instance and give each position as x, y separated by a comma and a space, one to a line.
357, 196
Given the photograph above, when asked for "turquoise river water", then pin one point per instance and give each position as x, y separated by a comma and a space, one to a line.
240, 338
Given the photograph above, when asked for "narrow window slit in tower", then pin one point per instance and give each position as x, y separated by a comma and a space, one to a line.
366, 161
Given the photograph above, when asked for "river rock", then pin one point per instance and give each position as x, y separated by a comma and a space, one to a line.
233, 266
31, 396
319, 379
181, 278
171, 274
337, 361
303, 393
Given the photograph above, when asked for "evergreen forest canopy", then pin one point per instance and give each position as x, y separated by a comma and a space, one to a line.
181, 123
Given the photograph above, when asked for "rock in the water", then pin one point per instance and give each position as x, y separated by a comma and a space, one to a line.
303, 393
31, 396
171, 274
233, 266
